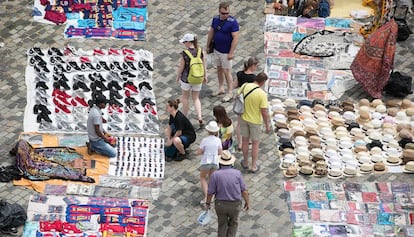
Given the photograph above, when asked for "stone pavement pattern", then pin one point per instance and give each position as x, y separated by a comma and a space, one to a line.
175, 213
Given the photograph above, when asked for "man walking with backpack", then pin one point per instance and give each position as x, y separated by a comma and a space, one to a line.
191, 74
222, 41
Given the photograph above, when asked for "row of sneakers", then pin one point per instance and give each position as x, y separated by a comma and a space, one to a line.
71, 51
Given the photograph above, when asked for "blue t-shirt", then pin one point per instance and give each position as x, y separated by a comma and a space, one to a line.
222, 35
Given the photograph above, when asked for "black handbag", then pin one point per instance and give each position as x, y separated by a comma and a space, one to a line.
210, 48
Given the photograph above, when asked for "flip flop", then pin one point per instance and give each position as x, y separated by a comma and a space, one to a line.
218, 93
255, 171
244, 167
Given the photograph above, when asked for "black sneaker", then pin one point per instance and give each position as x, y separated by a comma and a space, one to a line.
168, 158
180, 157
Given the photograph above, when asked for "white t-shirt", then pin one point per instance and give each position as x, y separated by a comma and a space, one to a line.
94, 118
210, 145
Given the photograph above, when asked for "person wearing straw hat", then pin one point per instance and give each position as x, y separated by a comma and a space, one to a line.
255, 113
228, 187
210, 148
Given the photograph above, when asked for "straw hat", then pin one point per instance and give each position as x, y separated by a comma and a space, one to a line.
393, 160
410, 112
388, 120
305, 108
334, 114
364, 117
376, 123
335, 108
298, 134
409, 145
349, 116
409, 167
406, 103
335, 173
392, 111
304, 162
350, 170
318, 107
348, 108
376, 102
366, 168
305, 115
381, 109
360, 148
393, 103
380, 168
321, 171
363, 102
306, 170
290, 103
377, 158
347, 103
290, 172
288, 151
402, 118
375, 151
407, 155
226, 158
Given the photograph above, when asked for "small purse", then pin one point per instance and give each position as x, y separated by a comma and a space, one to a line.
210, 47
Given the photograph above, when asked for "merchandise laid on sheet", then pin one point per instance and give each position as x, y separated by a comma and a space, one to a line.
119, 19
309, 58
61, 84
139, 157
76, 216
350, 209
343, 139
50, 169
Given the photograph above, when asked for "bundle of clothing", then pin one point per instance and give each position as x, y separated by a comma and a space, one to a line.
50, 163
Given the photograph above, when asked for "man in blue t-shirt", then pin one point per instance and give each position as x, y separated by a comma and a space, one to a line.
224, 32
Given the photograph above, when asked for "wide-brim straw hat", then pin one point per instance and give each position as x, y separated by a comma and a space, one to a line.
363, 102
350, 170
406, 103
380, 168
393, 160
409, 167
335, 173
366, 168
306, 170
291, 172
226, 158
393, 103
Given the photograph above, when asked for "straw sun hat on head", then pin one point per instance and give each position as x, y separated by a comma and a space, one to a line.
226, 158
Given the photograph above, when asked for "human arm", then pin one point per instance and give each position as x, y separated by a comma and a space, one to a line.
208, 201
100, 133
265, 115
245, 196
200, 151
233, 46
210, 37
205, 80
180, 69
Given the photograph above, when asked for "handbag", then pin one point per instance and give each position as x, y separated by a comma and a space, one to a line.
238, 106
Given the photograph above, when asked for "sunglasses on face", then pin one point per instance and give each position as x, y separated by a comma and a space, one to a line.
224, 13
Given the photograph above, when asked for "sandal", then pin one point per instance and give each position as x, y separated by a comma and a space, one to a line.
227, 98
217, 93
242, 165
255, 171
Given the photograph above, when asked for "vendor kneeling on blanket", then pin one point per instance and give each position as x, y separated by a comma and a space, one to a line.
180, 133
99, 141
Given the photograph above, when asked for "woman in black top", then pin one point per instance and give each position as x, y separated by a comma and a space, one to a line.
245, 76
180, 133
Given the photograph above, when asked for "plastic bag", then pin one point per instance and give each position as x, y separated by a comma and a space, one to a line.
11, 215
204, 218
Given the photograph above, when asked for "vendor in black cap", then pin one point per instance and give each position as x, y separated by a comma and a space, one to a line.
99, 142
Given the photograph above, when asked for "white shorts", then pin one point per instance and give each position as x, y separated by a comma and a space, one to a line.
190, 87
221, 60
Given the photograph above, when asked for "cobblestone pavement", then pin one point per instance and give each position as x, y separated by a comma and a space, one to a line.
175, 213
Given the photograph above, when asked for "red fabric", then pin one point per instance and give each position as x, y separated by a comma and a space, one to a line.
55, 17
44, 2
375, 59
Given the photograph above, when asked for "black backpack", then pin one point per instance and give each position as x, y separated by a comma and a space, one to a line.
398, 85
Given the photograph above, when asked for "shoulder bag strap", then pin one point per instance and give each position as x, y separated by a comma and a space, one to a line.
220, 25
189, 54
250, 92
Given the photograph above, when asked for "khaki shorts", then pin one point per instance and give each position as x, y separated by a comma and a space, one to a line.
250, 130
221, 60
190, 87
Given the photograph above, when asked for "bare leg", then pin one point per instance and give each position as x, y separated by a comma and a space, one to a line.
245, 149
220, 76
167, 133
197, 104
238, 136
203, 181
229, 80
255, 153
184, 99
179, 145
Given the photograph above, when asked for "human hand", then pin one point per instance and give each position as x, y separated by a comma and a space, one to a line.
268, 130
230, 56
246, 206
